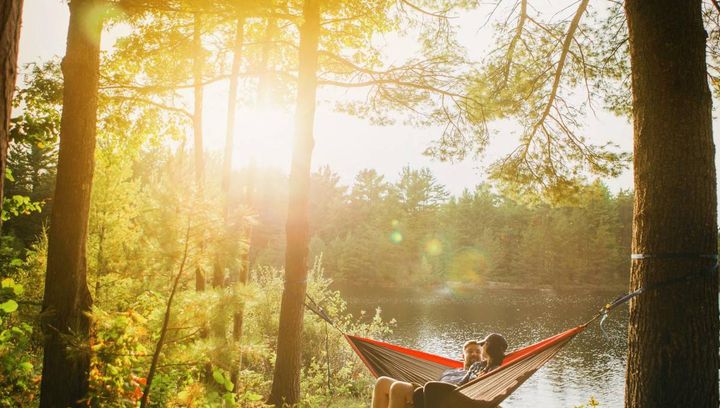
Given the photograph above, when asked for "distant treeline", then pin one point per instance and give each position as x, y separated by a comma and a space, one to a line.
414, 231
385, 233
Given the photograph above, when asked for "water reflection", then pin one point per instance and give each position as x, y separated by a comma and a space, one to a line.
593, 364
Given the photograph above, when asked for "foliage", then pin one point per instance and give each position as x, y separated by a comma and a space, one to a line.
546, 70
324, 348
480, 237
376, 231
18, 358
119, 349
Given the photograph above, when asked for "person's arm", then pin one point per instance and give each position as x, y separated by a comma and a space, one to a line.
472, 372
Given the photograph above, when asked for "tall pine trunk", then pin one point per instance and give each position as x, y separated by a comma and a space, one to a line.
673, 330
286, 378
199, 159
67, 300
10, 17
222, 257
227, 159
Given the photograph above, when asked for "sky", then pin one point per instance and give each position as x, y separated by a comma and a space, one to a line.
345, 143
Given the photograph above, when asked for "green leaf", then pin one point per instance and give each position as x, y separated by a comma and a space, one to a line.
26, 366
219, 377
16, 262
9, 306
251, 396
9, 175
229, 385
229, 398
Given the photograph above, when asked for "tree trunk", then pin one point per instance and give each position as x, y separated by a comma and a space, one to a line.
223, 254
10, 18
229, 142
286, 379
232, 108
198, 102
673, 330
67, 300
197, 133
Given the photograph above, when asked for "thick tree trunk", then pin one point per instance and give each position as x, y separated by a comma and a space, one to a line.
67, 298
286, 379
673, 330
10, 17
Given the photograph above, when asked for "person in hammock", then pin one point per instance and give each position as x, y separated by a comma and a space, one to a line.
479, 357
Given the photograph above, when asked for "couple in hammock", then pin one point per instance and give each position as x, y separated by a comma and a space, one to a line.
479, 357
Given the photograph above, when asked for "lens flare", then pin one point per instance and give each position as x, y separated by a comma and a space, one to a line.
396, 237
468, 265
93, 17
433, 247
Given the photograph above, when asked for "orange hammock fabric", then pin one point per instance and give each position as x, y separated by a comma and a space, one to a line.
489, 389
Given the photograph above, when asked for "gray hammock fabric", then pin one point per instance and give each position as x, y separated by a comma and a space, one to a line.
488, 390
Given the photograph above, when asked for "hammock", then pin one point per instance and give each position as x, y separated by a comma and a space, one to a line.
487, 390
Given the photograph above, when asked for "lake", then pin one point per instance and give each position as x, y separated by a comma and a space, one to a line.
439, 321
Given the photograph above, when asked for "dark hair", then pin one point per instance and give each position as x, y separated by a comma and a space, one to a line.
496, 353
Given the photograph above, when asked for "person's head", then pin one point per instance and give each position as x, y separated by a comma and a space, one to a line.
493, 349
472, 352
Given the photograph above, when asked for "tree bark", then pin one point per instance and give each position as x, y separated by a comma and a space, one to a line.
198, 150
67, 300
286, 378
222, 254
227, 159
232, 108
673, 330
198, 102
10, 22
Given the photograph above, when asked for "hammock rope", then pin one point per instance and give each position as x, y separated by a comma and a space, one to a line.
490, 389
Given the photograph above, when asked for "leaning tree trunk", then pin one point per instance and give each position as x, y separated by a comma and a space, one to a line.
286, 378
67, 300
673, 330
10, 17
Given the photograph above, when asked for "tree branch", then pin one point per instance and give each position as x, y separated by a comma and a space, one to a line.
561, 64
166, 320
153, 103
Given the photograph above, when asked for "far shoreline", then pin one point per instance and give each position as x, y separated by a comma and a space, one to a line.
478, 286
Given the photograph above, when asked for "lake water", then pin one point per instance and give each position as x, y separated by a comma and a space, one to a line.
439, 321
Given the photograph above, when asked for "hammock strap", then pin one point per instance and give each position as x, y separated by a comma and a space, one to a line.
624, 298
314, 307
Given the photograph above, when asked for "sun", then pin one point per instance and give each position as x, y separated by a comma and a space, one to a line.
262, 135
